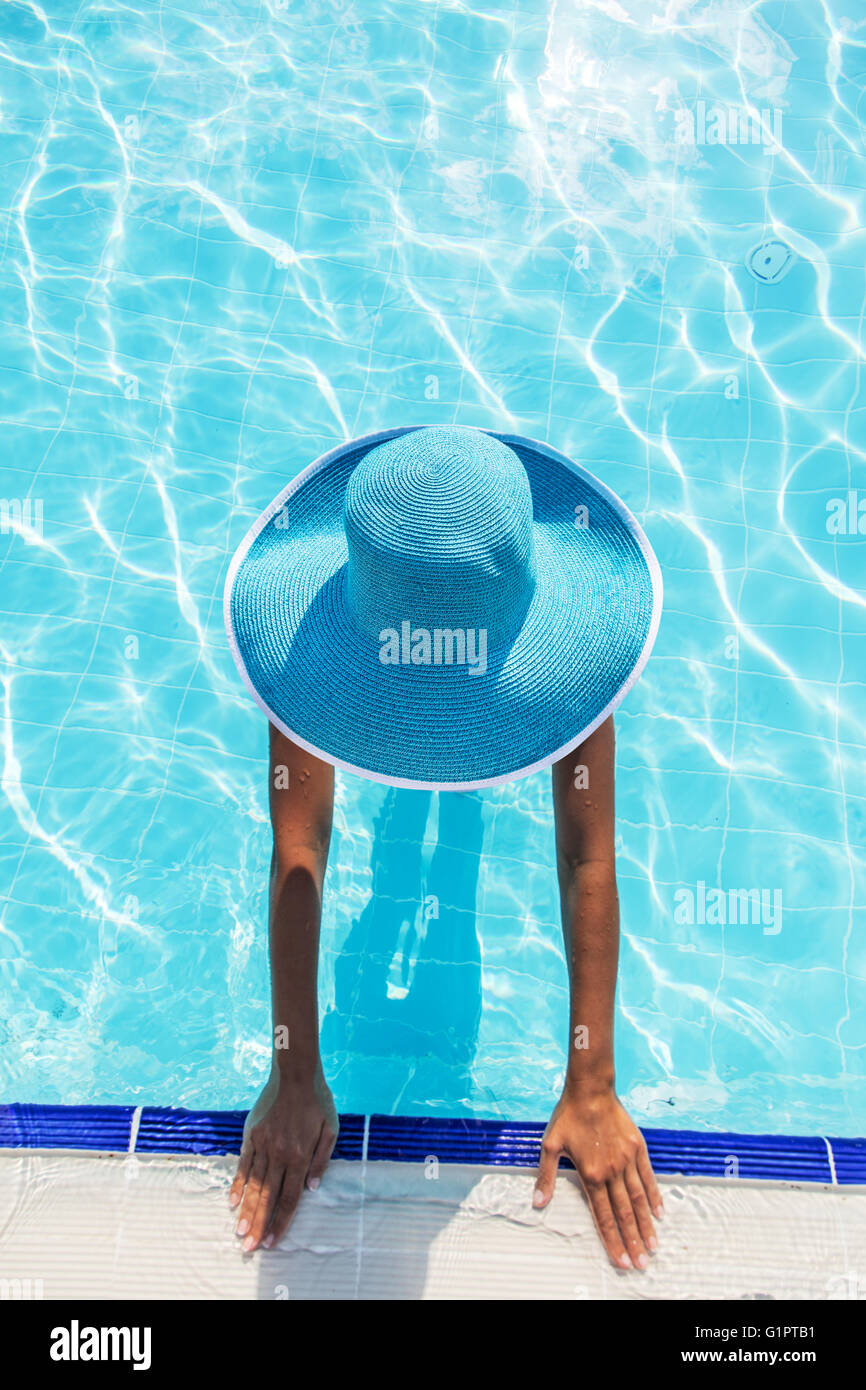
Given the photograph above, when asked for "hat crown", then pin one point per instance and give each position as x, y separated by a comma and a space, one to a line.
438, 526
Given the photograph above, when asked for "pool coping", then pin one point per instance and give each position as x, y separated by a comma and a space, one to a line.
149, 1129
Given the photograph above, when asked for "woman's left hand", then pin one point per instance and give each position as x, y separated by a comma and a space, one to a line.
610, 1156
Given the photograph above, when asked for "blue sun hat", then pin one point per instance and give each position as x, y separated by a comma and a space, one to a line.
442, 607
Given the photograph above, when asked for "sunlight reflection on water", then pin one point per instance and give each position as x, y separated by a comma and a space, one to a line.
237, 234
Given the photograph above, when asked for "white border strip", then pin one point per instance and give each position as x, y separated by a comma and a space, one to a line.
133, 1129
831, 1160
362, 1194
379, 437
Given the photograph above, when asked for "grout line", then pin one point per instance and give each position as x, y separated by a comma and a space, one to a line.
133, 1128
362, 1193
831, 1160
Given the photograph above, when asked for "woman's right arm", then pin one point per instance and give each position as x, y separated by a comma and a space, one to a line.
292, 1128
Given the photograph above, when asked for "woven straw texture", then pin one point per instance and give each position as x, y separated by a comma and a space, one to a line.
442, 527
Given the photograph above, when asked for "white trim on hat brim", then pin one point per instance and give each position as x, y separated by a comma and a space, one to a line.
379, 437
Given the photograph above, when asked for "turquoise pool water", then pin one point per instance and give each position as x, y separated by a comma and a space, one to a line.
235, 234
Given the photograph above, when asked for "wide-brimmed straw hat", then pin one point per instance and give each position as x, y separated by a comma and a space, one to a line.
442, 606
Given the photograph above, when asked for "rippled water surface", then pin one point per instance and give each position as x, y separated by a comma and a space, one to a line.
236, 234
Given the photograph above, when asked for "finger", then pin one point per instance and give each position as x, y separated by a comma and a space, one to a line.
651, 1187
625, 1219
605, 1223
236, 1191
548, 1165
256, 1177
321, 1157
640, 1207
286, 1206
268, 1198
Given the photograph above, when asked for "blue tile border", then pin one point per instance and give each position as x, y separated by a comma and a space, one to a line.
412, 1139
692, 1153
849, 1159
105, 1127
163, 1130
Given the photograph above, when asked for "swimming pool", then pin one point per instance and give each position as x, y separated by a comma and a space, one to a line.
237, 234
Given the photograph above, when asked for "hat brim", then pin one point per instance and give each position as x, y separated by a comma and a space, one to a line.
584, 641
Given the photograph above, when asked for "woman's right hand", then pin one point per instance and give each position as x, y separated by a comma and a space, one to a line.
289, 1136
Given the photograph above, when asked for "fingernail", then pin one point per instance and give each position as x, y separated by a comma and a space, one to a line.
660, 1212
641, 1261
234, 1198
243, 1227
248, 1243
538, 1198
313, 1183
624, 1262
268, 1242
653, 1244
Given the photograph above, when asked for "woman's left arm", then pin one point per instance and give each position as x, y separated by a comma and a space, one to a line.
589, 1125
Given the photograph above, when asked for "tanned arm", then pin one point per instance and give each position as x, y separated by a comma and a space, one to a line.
292, 1128
589, 1124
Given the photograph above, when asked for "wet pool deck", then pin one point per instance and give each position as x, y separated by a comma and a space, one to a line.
96, 1226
